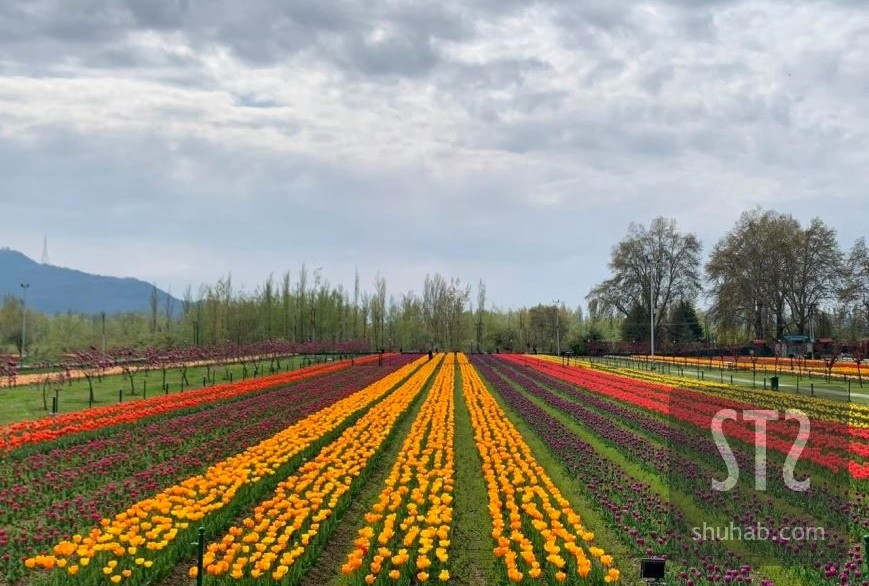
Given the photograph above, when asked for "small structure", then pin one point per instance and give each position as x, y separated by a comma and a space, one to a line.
794, 346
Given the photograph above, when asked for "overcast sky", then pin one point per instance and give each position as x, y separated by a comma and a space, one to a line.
179, 140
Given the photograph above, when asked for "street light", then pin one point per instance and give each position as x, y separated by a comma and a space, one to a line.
24, 288
653, 276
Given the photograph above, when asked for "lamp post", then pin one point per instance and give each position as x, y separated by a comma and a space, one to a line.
24, 288
652, 273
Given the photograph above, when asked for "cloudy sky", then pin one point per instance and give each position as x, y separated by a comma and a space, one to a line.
179, 140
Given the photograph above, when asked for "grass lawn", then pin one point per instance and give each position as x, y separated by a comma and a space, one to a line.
28, 402
472, 545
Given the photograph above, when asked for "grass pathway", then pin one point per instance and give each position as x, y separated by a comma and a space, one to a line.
28, 402
473, 560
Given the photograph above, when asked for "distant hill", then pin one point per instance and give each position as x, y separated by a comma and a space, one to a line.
59, 290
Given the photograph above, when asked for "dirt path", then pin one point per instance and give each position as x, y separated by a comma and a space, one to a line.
75, 373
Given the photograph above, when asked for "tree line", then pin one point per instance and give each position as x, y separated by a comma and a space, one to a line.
303, 307
767, 278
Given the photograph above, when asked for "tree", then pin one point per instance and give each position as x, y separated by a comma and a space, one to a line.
814, 272
130, 361
10, 323
481, 310
854, 293
302, 296
159, 359
650, 269
153, 301
635, 326
683, 326
91, 363
748, 271
860, 352
769, 275
268, 297
411, 334
830, 350
168, 312
364, 308
53, 381
443, 310
378, 310
542, 324
187, 302
356, 303
8, 371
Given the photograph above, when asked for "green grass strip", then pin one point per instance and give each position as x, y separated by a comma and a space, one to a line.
473, 561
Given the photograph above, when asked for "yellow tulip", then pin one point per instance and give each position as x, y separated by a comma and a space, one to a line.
521, 493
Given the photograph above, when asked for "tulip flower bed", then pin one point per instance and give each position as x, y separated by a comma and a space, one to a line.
420, 448
156, 531
283, 530
681, 457
270, 475
412, 517
54, 427
801, 366
856, 415
538, 535
645, 517
829, 445
606, 416
59, 490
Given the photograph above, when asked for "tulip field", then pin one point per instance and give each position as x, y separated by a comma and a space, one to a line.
480, 469
772, 365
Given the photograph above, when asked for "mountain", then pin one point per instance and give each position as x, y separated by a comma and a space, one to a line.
59, 290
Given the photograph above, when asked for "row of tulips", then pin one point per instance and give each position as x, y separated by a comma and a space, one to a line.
671, 438
268, 544
836, 426
852, 413
407, 530
57, 491
855, 415
763, 364
824, 410
156, 530
539, 537
672, 400
54, 427
683, 461
828, 445
648, 523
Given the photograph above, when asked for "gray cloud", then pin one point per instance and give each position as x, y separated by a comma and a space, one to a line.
371, 38
503, 140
